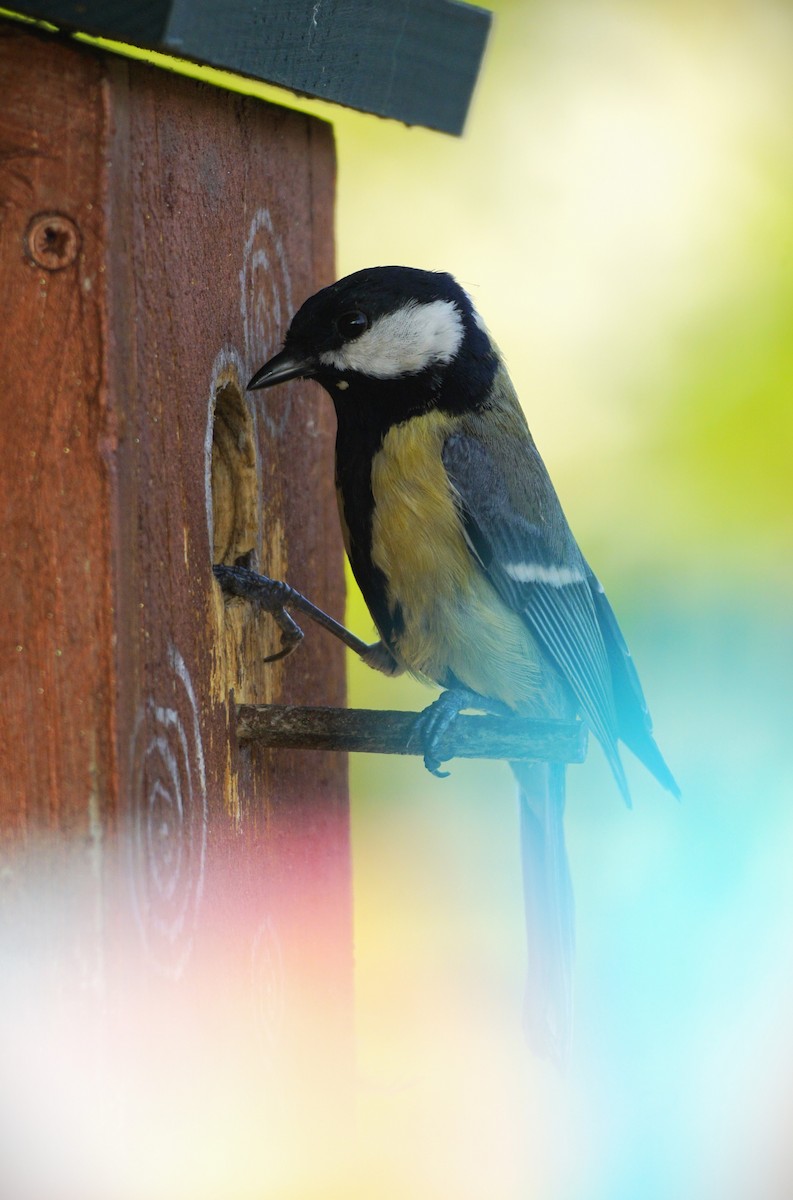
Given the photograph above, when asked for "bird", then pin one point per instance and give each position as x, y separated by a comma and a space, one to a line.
474, 580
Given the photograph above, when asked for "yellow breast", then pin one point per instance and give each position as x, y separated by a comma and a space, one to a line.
453, 620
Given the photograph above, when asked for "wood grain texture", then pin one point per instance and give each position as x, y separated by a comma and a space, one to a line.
56, 660
203, 219
416, 61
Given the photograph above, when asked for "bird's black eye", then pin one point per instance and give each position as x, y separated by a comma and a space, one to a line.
352, 324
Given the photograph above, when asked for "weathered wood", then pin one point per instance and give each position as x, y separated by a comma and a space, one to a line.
416, 61
369, 731
55, 568
157, 234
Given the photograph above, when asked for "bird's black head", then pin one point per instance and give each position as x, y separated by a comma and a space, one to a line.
393, 339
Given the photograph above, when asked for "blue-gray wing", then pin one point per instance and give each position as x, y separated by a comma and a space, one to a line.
534, 564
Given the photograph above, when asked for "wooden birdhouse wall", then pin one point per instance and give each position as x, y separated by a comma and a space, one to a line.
156, 235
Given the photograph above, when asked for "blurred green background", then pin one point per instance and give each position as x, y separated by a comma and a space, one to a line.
621, 210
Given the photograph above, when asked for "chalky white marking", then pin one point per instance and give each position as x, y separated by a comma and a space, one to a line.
265, 305
404, 342
168, 814
538, 573
342, 385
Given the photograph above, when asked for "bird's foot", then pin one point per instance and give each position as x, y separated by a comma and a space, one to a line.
268, 594
437, 718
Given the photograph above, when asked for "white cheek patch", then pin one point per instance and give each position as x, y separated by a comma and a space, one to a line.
523, 572
403, 342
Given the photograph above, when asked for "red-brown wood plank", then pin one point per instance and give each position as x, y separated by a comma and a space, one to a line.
202, 221
56, 732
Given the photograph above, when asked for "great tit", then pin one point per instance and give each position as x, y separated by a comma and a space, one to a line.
458, 542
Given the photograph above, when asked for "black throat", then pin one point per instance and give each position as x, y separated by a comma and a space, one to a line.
366, 409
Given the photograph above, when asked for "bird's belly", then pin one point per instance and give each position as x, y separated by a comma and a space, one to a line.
450, 621
472, 638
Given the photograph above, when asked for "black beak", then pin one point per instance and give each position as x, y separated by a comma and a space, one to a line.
284, 366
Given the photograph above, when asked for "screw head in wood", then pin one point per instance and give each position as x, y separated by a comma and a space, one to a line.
52, 241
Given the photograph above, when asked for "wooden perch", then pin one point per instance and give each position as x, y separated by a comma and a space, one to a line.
369, 731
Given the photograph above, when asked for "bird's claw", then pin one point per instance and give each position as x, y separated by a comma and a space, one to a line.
433, 723
291, 634
268, 594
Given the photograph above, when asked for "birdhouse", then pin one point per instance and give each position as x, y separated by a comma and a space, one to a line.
175, 901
